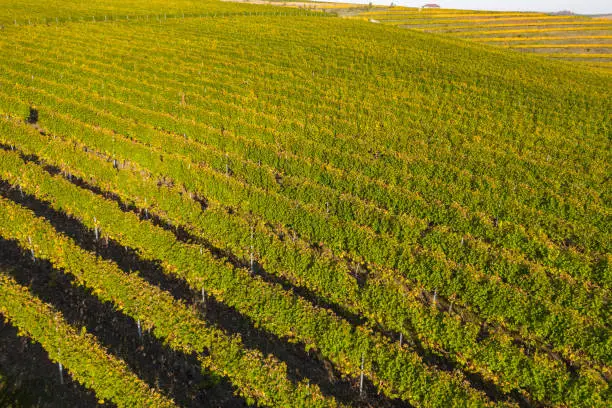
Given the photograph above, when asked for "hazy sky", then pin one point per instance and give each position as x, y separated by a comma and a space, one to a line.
577, 6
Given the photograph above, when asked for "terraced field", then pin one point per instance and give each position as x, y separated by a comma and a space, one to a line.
574, 38
222, 204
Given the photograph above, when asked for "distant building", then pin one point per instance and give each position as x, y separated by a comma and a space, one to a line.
430, 5
563, 13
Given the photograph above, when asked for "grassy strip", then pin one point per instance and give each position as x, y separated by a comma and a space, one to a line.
531, 30
582, 24
433, 15
480, 22
561, 46
576, 56
537, 39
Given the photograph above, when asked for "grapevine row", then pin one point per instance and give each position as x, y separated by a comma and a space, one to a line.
259, 378
301, 268
564, 261
353, 211
396, 371
80, 353
310, 218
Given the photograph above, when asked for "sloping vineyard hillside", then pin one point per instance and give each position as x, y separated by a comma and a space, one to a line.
210, 204
579, 39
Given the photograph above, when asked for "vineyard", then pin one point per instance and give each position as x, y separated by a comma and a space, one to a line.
209, 204
567, 37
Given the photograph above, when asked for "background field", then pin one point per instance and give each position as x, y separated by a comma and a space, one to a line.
580, 39
586, 40
223, 204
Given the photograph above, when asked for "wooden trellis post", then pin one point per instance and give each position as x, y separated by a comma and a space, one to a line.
61, 372
96, 232
252, 248
204, 304
139, 327
60, 368
361, 376
31, 249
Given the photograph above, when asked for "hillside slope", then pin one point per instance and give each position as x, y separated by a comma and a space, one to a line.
304, 210
580, 39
